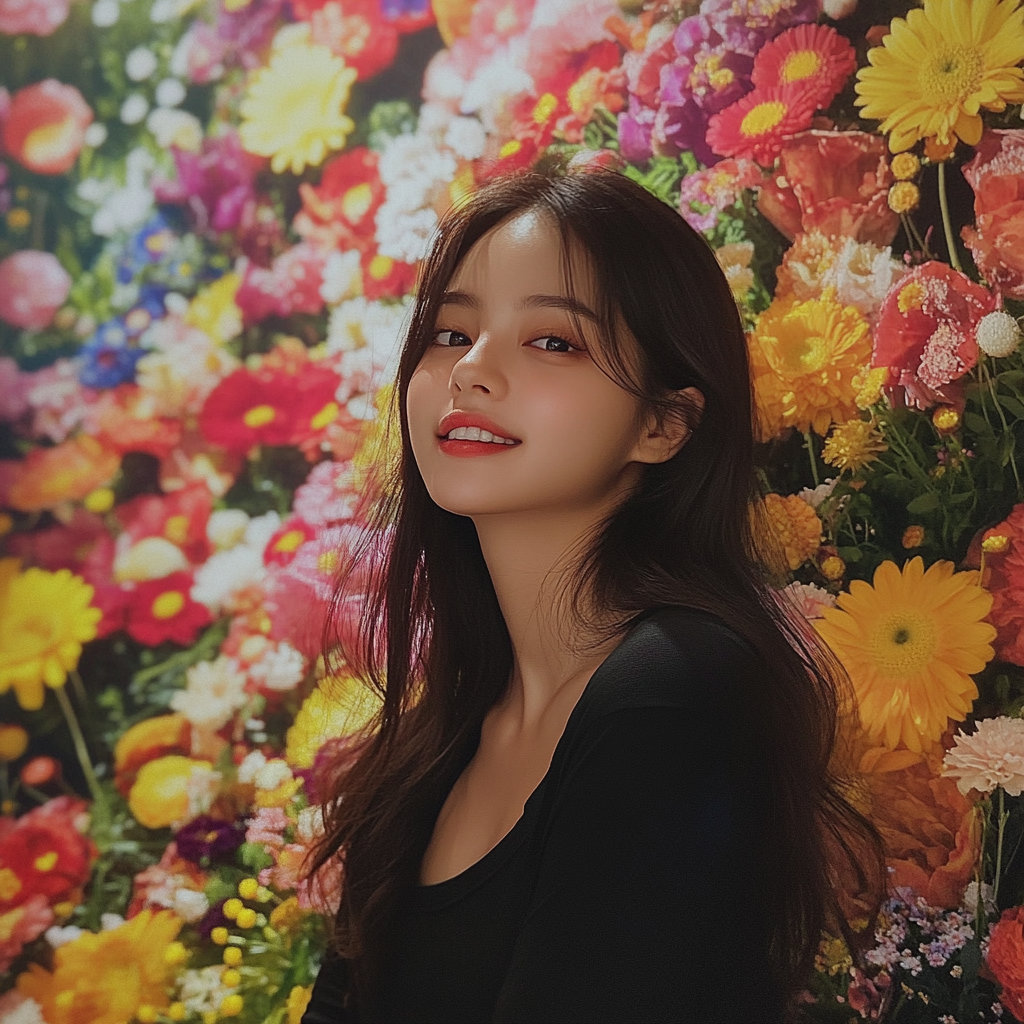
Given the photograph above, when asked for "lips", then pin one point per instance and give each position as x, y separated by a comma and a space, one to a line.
459, 418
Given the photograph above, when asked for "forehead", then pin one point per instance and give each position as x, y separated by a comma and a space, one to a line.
524, 255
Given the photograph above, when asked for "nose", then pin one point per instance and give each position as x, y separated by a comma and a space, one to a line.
481, 365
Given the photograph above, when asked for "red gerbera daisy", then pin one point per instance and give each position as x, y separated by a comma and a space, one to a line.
816, 56
163, 609
755, 126
281, 547
385, 278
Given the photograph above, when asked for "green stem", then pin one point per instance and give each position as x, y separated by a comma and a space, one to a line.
80, 748
79, 685
999, 845
1002, 419
947, 224
814, 461
980, 921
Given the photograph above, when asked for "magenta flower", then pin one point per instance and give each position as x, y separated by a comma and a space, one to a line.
33, 286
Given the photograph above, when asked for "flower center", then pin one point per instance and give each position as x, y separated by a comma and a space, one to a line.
357, 201
259, 416
45, 862
327, 562
952, 74
290, 541
903, 644
763, 118
545, 107
168, 604
327, 415
10, 884
799, 65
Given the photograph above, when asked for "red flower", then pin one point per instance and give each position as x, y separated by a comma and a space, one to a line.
179, 517
356, 31
1004, 579
385, 278
33, 286
925, 334
996, 174
163, 609
813, 55
1006, 959
122, 418
270, 406
44, 853
281, 547
339, 212
290, 285
45, 126
756, 126
833, 182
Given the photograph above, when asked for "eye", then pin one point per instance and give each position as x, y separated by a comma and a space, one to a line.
447, 339
569, 346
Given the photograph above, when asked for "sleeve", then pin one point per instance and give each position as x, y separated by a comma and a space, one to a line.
637, 914
328, 1003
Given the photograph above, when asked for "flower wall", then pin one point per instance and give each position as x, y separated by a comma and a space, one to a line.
212, 213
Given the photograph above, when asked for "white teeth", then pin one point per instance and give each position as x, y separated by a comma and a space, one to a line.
476, 434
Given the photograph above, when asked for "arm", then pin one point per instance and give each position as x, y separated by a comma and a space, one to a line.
637, 915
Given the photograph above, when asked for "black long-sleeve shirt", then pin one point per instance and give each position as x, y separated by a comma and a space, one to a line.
629, 890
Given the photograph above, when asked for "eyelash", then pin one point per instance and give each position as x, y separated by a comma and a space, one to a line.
556, 337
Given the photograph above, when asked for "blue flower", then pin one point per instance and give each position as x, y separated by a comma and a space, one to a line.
147, 246
149, 307
106, 360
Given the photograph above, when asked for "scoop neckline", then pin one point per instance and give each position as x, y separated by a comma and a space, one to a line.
438, 893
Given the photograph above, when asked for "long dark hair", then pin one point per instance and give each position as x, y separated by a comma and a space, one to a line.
431, 639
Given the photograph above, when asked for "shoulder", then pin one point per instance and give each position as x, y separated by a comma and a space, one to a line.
674, 657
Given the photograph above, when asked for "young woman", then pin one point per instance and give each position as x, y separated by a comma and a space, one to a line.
600, 786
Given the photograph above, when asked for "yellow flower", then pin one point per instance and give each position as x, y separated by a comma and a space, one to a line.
804, 356
797, 526
910, 644
298, 1000
868, 384
45, 617
159, 796
853, 444
105, 978
294, 109
338, 706
938, 67
214, 312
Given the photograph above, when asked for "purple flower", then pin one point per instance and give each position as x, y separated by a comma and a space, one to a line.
207, 839
249, 31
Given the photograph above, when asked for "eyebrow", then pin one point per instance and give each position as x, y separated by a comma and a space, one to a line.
539, 301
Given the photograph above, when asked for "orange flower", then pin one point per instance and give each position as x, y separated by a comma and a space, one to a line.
45, 126
47, 476
1004, 577
1006, 959
797, 525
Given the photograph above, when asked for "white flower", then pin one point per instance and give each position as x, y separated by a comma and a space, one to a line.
170, 92
991, 756
970, 900
190, 905
342, 277
227, 572
273, 774
250, 765
27, 1011
140, 63
814, 496
134, 108
862, 275
151, 558
214, 691
281, 668
105, 13
808, 599
201, 990
369, 335
998, 334
108, 922
96, 134
176, 128
126, 207
466, 137
201, 788
226, 527
310, 824
57, 936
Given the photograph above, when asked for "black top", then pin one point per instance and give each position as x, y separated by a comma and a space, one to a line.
629, 888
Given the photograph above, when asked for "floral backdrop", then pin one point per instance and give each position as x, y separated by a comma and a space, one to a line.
212, 213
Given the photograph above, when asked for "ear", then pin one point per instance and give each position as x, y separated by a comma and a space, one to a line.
660, 441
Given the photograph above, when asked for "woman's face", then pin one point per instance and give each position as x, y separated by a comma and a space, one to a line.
505, 348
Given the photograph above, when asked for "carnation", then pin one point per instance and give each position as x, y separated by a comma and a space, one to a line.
214, 691
993, 755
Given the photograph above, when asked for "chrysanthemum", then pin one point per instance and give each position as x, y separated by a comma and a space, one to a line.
938, 67
854, 444
45, 617
993, 755
340, 705
797, 526
910, 643
813, 55
294, 109
755, 126
804, 356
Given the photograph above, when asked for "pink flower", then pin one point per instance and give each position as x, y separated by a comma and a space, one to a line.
991, 756
290, 285
717, 188
33, 286
45, 126
22, 924
37, 17
868, 995
328, 495
59, 402
13, 385
267, 827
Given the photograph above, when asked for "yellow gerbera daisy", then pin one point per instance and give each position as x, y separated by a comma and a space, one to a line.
338, 706
937, 68
852, 445
45, 617
294, 110
804, 356
910, 644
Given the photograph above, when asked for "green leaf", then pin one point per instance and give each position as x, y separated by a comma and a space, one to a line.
923, 503
959, 499
977, 424
1012, 405
850, 554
